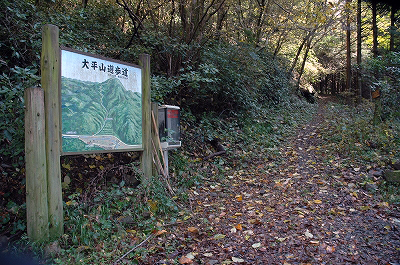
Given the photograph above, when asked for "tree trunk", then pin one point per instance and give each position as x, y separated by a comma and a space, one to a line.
392, 19
374, 30
263, 7
304, 61
279, 43
298, 53
359, 32
348, 52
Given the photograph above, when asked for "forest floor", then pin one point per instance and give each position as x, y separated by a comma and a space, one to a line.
303, 202
300, 208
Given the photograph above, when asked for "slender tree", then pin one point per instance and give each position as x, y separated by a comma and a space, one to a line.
359, 54
393, 6
348, 46
374, 29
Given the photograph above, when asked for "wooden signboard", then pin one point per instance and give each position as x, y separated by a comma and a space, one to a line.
101, 104
87, 103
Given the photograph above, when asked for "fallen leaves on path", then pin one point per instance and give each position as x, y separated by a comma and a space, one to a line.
305, 207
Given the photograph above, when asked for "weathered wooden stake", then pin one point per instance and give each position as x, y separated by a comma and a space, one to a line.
35, 164
51, 83
154, 131
146, 159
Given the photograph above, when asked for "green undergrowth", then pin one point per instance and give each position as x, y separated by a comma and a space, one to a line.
104, 223
107, 226
348, 132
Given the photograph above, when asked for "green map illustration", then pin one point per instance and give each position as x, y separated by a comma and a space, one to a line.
99, 116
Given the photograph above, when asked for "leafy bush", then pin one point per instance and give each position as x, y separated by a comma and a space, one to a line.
228, 78
353, 134
19, 35
383, 73
19, 59
246, 77
12, 88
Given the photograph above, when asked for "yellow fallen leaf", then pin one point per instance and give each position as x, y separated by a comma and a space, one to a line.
254, 221
239, 227
317, 201
354, 194
153, 205
160, 232
239, 198
66, 166
269, 209
193, 230
92, 166
219, 236
383, 204
82, 248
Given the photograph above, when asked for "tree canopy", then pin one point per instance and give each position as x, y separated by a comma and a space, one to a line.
217, 56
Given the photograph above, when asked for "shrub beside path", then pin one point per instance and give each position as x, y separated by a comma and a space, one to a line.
303, 206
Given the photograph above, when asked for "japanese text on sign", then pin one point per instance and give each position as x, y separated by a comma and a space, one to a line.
111, 69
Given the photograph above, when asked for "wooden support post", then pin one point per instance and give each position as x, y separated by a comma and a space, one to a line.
154, 131
35, 164
51, 83
146, 159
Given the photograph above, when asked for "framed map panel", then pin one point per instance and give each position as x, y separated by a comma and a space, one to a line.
101, 104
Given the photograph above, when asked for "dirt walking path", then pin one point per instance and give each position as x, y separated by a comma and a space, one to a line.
304, 207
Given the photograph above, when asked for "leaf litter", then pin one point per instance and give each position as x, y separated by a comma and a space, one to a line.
306, 207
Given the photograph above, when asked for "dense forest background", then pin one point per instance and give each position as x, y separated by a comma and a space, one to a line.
218, 56
233, 67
